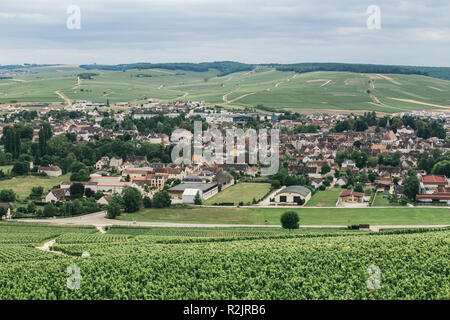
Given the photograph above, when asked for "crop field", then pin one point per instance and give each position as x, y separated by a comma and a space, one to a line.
22, 185
241, 192
308, 216
329, 91
242, 263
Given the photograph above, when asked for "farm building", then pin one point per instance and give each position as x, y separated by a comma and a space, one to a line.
207, 189
189, 195
293, 195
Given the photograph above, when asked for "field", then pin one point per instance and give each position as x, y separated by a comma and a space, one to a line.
328, 91
241, 192
22, 185
150, 263
308, 216
326, 198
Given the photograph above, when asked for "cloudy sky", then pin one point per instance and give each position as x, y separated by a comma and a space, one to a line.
414, 32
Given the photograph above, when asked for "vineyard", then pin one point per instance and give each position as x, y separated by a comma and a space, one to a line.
239, 263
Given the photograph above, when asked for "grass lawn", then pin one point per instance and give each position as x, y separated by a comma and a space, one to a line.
22, 185
308, 216
381, 201
244, 192
326, 198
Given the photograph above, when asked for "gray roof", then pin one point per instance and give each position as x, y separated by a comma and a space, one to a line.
295, 189
202, 186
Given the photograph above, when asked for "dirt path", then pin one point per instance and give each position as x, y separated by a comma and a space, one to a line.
240, 97
100, 229
62, 96
388, 79
420, 102
225, 96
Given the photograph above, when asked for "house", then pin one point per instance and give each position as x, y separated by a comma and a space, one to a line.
115, 162
56, 195
53, 171
440, 196
103, 162
342, 181
430, 183
104, 200
190, 194
351, 198
224, 178
293, 195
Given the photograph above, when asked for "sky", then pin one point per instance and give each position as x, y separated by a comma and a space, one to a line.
266, 31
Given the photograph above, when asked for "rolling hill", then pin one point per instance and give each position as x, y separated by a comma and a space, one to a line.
217, 83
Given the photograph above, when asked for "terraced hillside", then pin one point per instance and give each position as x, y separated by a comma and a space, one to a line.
264, 85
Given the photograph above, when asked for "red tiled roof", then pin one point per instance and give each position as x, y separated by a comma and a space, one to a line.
346, 193
434, 179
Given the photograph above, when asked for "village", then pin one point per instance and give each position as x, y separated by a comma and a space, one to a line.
373, 164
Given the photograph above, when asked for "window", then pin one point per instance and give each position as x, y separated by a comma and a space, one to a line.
282, 198
297, 199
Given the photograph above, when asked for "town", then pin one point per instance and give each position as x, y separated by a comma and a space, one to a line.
108, 153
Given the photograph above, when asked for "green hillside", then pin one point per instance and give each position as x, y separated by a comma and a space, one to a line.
264, 85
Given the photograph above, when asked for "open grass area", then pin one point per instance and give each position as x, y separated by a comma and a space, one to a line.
241, 192
381, 201
22, 185
308, 216
326, 198
327, 91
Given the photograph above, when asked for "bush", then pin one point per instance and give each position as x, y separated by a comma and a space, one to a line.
290, 220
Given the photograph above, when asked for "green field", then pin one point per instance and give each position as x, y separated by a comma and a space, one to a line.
308, 216
329, 91
22, 185
184, 263
326, 198
241, 192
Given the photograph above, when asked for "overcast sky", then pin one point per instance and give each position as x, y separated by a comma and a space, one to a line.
281, 31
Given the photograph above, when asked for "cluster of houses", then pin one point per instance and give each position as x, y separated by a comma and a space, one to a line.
301, 151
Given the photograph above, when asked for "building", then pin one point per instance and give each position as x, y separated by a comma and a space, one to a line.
53, 171
293, 195
430, 183
56, 195
190, 194
207, 189
440, 197
351, 198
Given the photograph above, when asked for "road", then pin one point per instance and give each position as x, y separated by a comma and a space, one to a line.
98, 219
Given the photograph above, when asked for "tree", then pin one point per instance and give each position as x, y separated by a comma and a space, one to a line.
161, 199
325, 168
132, 199
7, 195
76, 190
37, 191
442, 167
21, 168
411, 187
197, 198
359, 188
50, 210
147, 202
290, 220
114, 207
276, 184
